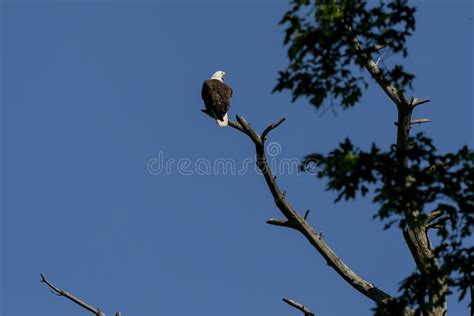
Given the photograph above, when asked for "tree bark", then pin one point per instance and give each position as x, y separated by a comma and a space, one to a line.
415, 233
296, 221
94, 310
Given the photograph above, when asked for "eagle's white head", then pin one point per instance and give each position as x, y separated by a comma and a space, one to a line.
218, 75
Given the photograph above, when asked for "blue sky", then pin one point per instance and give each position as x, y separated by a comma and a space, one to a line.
92, 91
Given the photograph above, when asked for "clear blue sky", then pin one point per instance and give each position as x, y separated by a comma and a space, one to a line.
92, 90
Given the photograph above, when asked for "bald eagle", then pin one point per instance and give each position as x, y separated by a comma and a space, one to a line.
216, 95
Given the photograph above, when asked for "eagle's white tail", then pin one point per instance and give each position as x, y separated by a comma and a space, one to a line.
224, 122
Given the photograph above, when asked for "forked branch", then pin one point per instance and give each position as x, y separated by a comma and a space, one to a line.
296, 221
415, 235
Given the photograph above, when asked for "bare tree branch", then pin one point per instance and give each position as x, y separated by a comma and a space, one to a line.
433, 216
435, 219
231, 123
71, 297
280, 222
416, 101
419, 121
415, 233
236, 126
250, 132
294, 220
394, 94
306, 214
270, 128
298, 306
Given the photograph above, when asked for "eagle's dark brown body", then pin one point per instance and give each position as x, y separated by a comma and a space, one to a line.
216, 96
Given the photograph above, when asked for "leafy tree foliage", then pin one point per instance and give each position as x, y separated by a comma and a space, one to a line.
323, 63
436, 189
444, 182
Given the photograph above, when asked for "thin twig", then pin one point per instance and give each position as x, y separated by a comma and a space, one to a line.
419, 121
271, 127
306, 214
416, 101
378, 60
280, 222
379, 46
298, 306
71, 297
433, 216
438, 224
